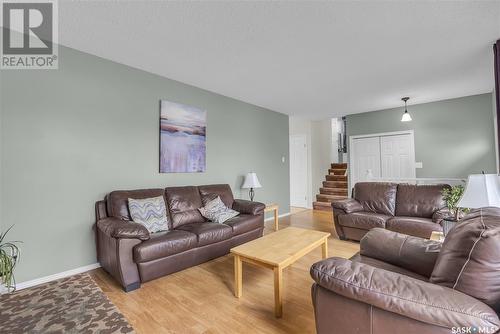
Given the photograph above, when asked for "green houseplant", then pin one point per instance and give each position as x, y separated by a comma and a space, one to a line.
451, 196
9, 256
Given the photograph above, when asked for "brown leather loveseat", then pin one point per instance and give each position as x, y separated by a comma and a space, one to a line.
404, 284
132, 255
411, 209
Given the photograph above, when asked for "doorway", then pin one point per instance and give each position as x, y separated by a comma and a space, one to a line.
385, 156
298, 171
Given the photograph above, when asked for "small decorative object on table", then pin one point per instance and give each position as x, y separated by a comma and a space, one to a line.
251, 182
9, 256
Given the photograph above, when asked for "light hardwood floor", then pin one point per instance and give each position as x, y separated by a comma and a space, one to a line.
201, 300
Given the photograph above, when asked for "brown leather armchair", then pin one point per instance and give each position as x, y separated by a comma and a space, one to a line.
406, 208
128, 252
403, 284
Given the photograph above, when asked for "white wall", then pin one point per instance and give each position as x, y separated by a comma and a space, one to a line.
321, 157
320, 149
302, 126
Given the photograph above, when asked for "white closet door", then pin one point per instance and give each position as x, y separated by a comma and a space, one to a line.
397, 156
365, 159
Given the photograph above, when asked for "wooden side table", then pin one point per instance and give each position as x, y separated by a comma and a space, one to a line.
273, 207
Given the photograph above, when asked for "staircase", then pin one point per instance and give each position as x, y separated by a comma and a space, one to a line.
334, 187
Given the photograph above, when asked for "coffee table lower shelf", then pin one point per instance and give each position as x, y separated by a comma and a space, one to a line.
291, 252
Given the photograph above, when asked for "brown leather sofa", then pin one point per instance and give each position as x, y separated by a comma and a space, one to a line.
403, 284
132, 255
410, 209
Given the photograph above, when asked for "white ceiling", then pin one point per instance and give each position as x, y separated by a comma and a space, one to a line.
304, 58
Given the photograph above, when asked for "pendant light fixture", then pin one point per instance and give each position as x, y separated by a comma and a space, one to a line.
406, 116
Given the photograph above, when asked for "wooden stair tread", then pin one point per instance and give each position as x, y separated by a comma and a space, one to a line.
323, 206
336, 178
335, 184
329, 198
339, 166
333, 191
337, 171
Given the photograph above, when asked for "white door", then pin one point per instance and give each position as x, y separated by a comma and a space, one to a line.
397, 157
365, 157
298, 171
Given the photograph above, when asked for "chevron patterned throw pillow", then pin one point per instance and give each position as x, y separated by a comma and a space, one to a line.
150, 212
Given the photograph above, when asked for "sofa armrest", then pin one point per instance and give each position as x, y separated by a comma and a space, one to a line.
122, 229
348, 205
423, 301
248, 207
441, 214
411, 253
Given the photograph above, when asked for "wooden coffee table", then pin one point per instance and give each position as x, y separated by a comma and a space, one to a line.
276, 251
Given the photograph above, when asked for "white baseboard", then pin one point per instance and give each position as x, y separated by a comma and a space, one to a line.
279, 216
37, 281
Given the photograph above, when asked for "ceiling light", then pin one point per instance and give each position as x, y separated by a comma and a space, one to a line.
406, 116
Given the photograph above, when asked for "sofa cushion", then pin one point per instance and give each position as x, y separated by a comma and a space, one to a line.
386, 266
245, 223
419, 200
378, 197
217, 212
363, 220
150, 212
164, 244
469, 260
209, 192
117, 201
418, 227
184, 203
208, 233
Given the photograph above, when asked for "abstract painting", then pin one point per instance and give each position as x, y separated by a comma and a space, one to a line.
182, 138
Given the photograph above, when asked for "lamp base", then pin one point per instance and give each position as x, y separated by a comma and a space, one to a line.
251, 193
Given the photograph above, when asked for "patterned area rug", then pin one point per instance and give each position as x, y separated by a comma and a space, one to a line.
69, 305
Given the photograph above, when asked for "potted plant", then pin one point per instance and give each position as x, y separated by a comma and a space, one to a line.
9, 256
451, 196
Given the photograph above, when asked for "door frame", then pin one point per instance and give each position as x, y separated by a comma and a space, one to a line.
381, 134
307, 182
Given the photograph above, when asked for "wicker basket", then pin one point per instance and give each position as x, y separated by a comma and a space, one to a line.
448, 224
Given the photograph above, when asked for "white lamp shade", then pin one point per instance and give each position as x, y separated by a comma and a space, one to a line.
251, 181
481, 190
406, 117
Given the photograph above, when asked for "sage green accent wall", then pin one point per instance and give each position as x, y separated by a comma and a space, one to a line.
70, 136
453, 138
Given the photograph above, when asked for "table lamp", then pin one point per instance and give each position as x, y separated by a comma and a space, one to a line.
480, 191
251, 182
